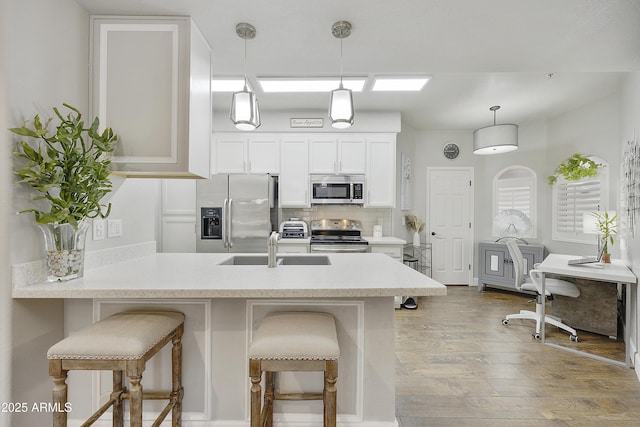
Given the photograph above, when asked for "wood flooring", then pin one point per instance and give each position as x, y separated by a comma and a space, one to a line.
457, 365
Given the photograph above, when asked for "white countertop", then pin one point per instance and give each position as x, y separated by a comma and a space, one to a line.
616, 271
199, 276
384, 240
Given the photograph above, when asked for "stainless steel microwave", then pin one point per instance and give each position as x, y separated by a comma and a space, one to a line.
337, 189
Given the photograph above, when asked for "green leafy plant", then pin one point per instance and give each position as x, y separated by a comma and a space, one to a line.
67, 168
607, 228
574, 168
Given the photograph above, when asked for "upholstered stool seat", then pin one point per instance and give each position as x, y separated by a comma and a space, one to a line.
121, 343
293, 341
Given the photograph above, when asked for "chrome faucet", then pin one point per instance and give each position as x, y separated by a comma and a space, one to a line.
272, 247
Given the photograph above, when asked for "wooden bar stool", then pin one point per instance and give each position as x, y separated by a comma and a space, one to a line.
121, 343
293, 341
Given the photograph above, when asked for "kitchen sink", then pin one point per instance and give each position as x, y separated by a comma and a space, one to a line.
304, 260
246, 260
282, 260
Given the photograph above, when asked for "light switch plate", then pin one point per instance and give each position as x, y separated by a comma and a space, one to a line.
99, 232
114, 228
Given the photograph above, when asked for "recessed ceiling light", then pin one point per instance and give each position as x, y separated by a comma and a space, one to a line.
231, 84
310, 84
408, 84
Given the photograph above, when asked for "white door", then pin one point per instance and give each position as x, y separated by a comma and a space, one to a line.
450, 202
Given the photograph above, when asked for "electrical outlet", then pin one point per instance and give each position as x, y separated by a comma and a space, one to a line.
98, 229
114, 228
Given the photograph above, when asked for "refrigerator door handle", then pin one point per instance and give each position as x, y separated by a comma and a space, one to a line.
224, 223
229, 225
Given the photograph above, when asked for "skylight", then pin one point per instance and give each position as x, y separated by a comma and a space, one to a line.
400, 84
231, 84
322, 84
310, 84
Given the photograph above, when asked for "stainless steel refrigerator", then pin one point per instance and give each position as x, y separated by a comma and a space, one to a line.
237, 213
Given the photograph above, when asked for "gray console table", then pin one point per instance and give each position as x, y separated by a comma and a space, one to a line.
496, 267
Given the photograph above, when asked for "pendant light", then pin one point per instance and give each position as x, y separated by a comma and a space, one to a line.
245, 114
495, 139
341, 102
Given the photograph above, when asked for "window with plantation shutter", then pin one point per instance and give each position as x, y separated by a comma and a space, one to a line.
514, 193
517, 197
573, 198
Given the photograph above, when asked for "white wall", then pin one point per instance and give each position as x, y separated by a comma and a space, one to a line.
44, 71
593, 129
365, 121
46, 65
630, 121
137, 203
5, 277
405, 144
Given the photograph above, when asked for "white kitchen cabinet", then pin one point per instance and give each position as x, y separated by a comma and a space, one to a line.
246, 154
293, 246
263, 154
352, 155
229, 155
178, 224
294, 156
337, 154
151, 83
294, 172
391, 246
394, 251
381, 171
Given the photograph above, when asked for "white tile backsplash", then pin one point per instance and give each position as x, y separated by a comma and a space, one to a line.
368, 216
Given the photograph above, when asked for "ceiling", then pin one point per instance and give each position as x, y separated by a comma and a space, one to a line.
478, 53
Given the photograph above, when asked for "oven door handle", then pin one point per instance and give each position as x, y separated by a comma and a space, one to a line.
337, 250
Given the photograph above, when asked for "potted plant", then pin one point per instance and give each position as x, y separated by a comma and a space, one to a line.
574, 168
70, 172
414, 223
607, 228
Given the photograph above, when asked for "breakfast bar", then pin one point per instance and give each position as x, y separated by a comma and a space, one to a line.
224, 297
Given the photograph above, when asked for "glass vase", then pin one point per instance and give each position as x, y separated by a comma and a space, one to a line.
64, 245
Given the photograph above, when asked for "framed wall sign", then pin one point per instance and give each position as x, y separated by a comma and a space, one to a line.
307, 123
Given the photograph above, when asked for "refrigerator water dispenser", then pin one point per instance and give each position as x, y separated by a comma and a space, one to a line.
211, 223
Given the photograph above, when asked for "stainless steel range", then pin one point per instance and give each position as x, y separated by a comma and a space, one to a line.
337, 235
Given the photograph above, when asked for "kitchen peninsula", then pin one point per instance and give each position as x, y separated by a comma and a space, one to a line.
224, 303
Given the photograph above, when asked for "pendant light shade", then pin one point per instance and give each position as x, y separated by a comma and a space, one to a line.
245, 113
341, 108
341, 102
495, 139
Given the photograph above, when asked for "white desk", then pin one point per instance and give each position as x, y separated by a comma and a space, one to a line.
616, 272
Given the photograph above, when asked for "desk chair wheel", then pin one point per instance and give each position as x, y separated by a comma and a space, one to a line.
505, 321
573, 338
536, 335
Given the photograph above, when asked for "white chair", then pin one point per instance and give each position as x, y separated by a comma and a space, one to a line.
534, 283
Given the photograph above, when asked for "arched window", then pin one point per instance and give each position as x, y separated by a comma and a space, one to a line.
514, 202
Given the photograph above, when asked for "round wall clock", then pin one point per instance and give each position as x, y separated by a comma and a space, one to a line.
450, 150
